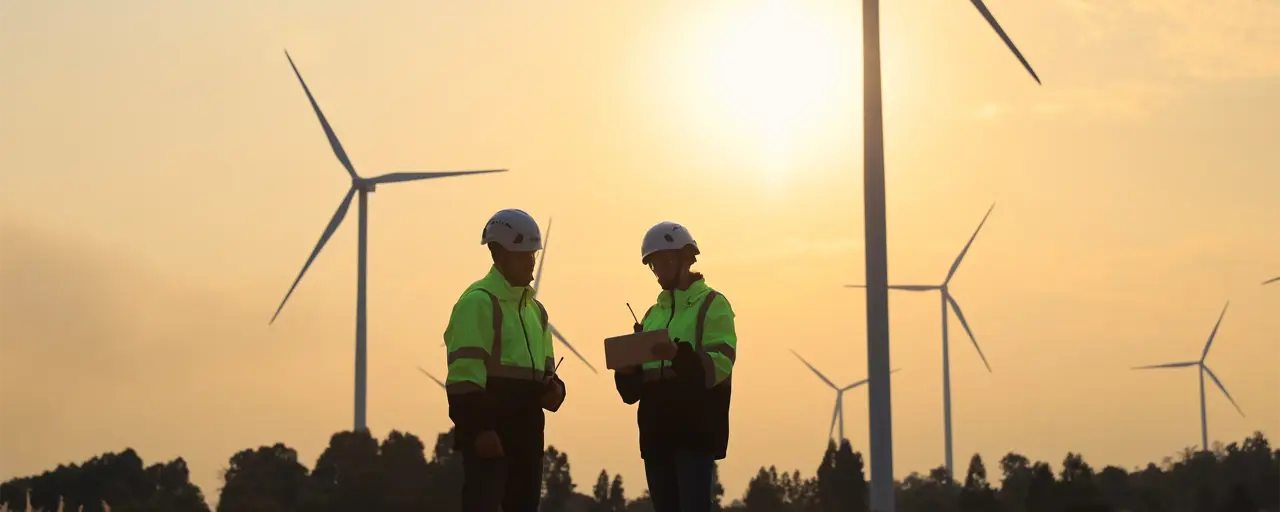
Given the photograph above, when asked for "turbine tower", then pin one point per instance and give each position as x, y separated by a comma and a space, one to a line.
1204, 369
839, 409
948, 301
877, 273
363, 186
537, 283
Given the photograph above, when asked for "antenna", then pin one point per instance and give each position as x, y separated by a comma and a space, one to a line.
637, 327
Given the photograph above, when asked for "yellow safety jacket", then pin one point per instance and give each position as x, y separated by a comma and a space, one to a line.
500, 358
684, 403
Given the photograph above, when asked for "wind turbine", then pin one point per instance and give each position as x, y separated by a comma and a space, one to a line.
839, 409
1269, 281
877, 273
537, 282
1204, 369
948, 300
363, 186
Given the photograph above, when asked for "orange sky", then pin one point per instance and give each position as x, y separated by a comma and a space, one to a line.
162, 179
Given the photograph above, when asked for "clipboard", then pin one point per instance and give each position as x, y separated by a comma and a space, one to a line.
632, 349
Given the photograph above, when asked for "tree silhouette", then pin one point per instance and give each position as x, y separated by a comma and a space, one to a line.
717, 489
267, 479
444, 475
617, 501
977, 495
601, 492
347, 472
557, 482
402, 466
356, 472
764, 494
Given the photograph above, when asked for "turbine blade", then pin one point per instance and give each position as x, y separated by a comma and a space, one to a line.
397, 177
556, 332
1166, 365
907, 287
982, 8
1223, 388
542, 258
864, 381
324, 237
955, 265
432, 377
855, 384
955, 306
815, 371
1272, 280
1214, 333
324, 123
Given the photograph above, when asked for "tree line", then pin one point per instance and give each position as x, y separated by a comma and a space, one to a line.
357, 472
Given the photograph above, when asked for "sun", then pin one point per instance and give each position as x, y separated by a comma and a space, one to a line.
768, 71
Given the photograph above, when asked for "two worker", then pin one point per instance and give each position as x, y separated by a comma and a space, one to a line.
502, 374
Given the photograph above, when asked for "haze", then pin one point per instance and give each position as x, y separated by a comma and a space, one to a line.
162, 180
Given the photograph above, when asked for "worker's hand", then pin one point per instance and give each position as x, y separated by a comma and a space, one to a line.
628, 370
488, 444
553, 395
665, 350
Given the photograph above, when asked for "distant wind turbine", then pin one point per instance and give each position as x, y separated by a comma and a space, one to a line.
537, 283
948, 300
839, 409
364, 186
1204, 369
1269, 281
880, 396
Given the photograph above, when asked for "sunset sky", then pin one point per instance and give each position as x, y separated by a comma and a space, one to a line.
162, 180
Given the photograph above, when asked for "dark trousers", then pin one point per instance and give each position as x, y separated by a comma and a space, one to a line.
512, 483
680, 481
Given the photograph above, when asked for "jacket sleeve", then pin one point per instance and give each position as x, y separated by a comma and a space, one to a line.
628, 386
469, 341
719, 343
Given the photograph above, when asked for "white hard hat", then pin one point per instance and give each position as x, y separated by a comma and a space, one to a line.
665, 236
514, 230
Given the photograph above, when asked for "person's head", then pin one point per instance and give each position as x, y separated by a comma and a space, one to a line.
669, 251
513, 239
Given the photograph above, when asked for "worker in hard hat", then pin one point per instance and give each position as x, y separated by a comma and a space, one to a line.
501, 373
683, 414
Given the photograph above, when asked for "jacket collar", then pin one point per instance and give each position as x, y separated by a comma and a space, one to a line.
497, 284
697, 290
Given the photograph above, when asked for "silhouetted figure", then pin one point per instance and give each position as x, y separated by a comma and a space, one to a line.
683, 415
502, 373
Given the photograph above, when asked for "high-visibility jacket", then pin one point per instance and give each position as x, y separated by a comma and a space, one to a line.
500, 360
685, 402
